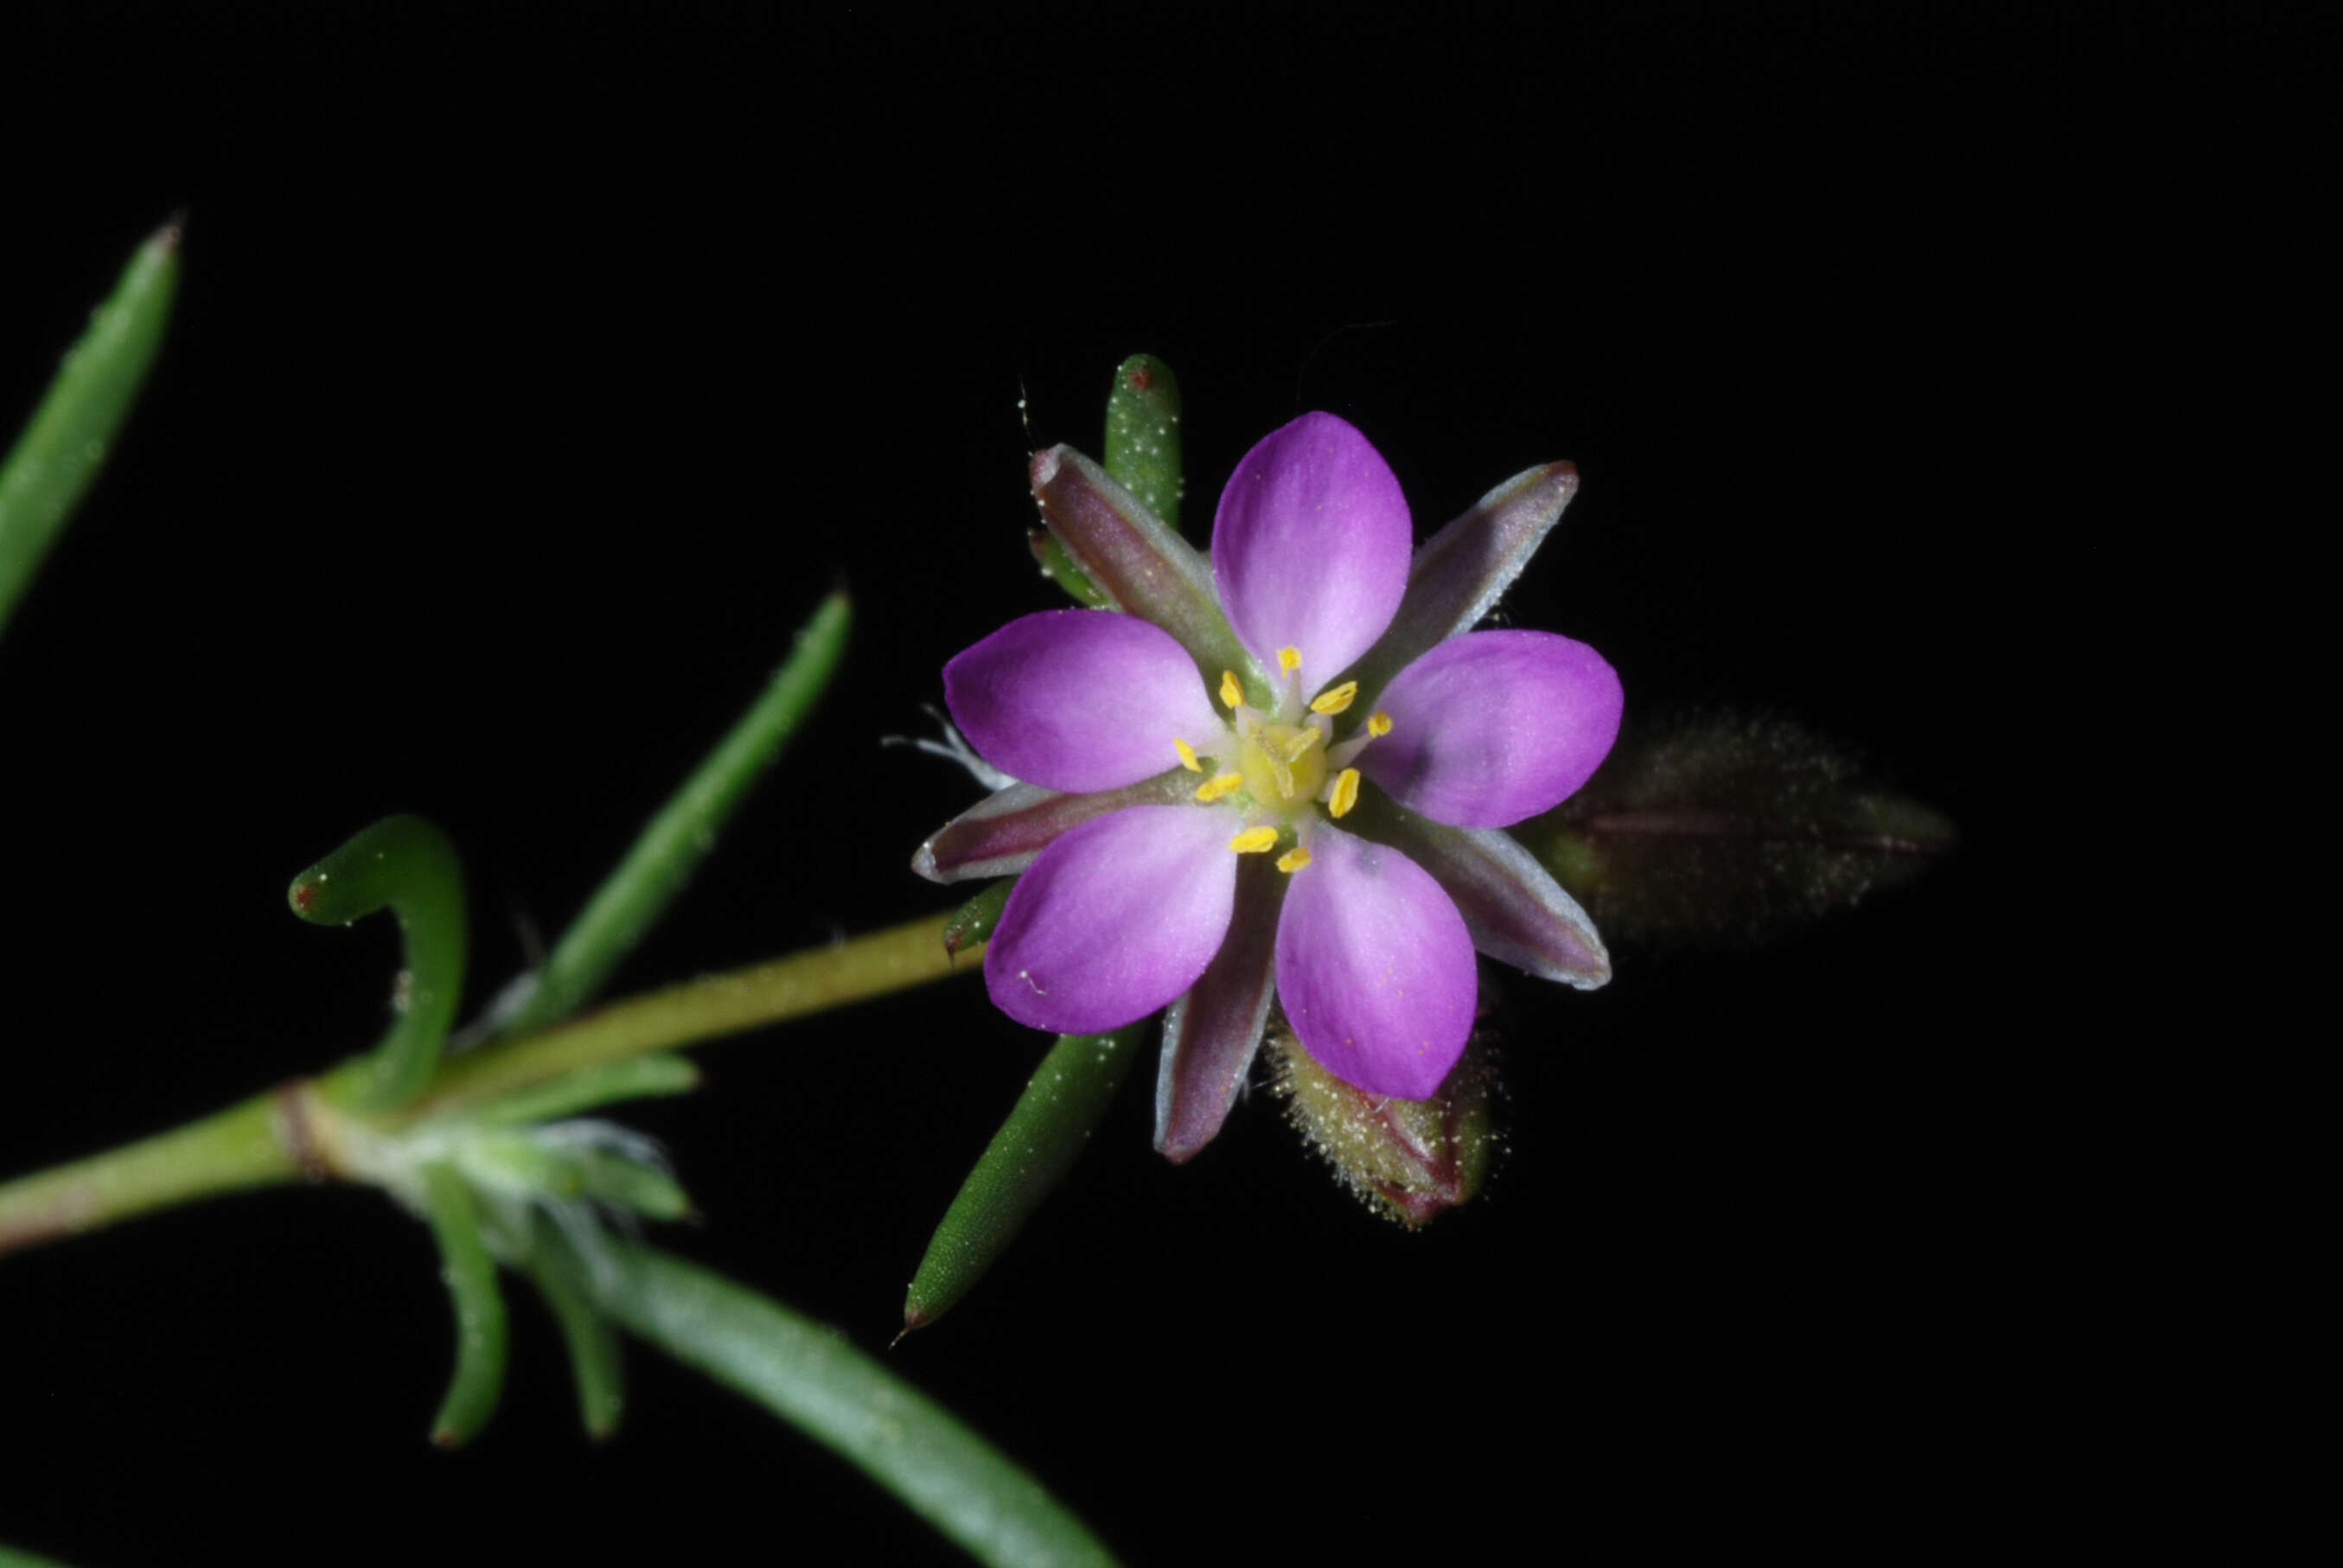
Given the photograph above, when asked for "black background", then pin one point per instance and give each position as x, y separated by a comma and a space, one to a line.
534, 371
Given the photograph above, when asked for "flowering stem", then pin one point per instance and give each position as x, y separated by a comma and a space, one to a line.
295, 1131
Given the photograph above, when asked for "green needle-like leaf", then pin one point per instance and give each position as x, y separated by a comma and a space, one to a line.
16, 1557
1060, 566
594, 1357
1023, 1165
674, 843
65, 442
1142, 433
407, 864
480, 1332
973, 921
809, 1376
615, 1179
633, 1078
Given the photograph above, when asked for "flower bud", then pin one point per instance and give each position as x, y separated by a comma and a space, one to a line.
1408, 1158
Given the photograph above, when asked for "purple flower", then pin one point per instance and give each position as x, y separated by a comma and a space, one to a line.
1190, 770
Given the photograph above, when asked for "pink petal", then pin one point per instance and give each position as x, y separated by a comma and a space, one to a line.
1375, 968
1310, 546
1210, 1035
1081, 699
1493, 727
1116, 918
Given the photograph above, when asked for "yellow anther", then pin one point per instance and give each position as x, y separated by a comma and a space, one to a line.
1380, 724
1255, 841
1293, 860
1346, 792
1187, 756
1336, 700
1289, 659
1302, 740
1223, 784
1231, 692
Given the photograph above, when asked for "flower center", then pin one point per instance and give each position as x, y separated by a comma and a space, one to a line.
1284, 765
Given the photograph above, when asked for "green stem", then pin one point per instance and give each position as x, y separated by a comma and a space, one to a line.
297, 1131
262, 1142
785, 988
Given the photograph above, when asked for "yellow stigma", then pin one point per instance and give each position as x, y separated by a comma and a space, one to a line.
1231, 692
1187, 756
1289, 659
1293, 860
1283, 764
1255, 841
1380, 724
1336, 700
1346, 792
1214, 788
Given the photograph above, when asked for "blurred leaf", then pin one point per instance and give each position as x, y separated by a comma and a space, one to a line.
595, 1362
16, 1557
812, 1378
1023, 1164
1730, 829
65, 443
407, 864
481, 1330
674, 843
632, 1077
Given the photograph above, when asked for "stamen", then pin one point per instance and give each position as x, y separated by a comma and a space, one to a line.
1303, 740
1289, 659
1220, 784
1187, 756
1293, 860
1255, 841
1231, 692
1346, 793
1336, 700
1380, 724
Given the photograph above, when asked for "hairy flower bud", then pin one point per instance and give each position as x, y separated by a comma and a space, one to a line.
1408, 1158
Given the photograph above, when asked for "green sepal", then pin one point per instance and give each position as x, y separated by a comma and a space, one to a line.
1023, 1165
973, 921
480, 1328
1142, 435
65, 444
405, 864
